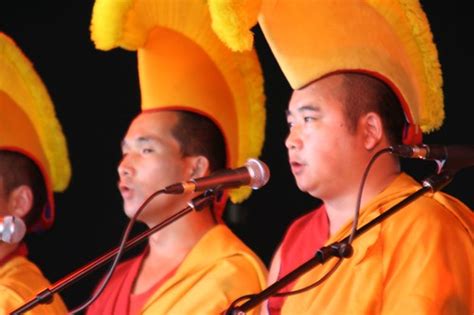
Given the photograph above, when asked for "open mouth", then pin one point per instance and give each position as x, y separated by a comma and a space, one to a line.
296, 167
125, 191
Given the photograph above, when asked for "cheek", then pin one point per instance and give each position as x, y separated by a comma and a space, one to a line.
164, 170
326, 146
3, 205
317, 140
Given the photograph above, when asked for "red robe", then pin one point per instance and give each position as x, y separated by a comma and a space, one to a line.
218, 270
302, 240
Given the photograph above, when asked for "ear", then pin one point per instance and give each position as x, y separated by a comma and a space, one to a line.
198, 165
20, 201
372, 130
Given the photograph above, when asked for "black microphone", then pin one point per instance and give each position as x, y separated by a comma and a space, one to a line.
12, 229
454, 156
255, 174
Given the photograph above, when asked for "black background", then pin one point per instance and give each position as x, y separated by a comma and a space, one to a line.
96, 95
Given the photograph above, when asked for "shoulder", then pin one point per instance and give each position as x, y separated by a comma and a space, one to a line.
21, 274
9, 298
225, 245
230, 277
431, 219
224, 257
21, 280
438, 210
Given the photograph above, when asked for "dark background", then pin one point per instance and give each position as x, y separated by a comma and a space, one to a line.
96, 95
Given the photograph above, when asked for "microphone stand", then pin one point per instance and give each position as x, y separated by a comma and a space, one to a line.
46, 295
341, 249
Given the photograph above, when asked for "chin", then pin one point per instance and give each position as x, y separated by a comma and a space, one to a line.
302, 186
129, 210
310, 190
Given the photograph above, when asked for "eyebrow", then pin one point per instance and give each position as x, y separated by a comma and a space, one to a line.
141, 140
304, 108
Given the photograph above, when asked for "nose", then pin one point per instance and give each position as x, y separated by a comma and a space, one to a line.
293, 140
125, 168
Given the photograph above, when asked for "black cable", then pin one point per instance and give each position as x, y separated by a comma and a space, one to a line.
353, 231
342, 248
118, 255
234, 304
361, 189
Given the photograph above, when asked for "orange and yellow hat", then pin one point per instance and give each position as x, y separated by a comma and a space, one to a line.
28, 123
390, 39
183, 65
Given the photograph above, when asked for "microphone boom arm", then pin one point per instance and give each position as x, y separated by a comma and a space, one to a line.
46, 295
339, 249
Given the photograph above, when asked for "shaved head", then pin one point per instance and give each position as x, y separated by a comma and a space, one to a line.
15, 170
362, 93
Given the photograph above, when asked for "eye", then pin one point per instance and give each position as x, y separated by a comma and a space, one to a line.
290, 124
147, 150
309, 118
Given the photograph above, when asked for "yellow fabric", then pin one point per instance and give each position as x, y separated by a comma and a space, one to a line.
183, 65
21, 86
20, 281
390, 39
419, 261
233, 19
28, 123
218, 270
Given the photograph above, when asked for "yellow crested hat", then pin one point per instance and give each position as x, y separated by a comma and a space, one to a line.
182, 64
389, 39
28, 122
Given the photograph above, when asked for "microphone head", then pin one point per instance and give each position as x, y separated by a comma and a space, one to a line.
12, 230
259, 173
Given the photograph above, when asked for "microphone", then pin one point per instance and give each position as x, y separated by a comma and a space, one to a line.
454, 156
255, 174
12, 229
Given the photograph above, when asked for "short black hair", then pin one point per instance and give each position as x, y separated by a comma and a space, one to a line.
199, 135
16, 169
365, 93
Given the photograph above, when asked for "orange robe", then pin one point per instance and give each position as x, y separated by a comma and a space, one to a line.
20, 281
218, 270
418, 261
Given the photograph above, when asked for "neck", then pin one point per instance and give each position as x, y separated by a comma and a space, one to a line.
6, 249
177, 239
169, 247
341, 209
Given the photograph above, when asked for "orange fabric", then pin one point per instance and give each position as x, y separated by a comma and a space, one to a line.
16, 130
218, 270
28, 124
20, 86
419, 261
388, 39
20, 281
182, 64
18, 134
193, 83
